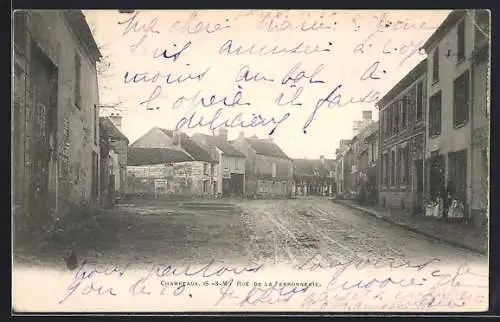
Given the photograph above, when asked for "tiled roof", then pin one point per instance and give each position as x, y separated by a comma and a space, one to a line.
312, 167
223, 145
150, 156
110, 129
191, 147
267, 148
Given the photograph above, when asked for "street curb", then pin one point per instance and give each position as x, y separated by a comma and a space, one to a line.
415, 230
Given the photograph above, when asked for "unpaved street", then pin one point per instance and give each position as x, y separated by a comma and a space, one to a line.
274, 231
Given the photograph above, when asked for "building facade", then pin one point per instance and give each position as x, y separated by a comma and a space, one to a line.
359, 151
268, 170
456, 80
118, 144
170, 161
343, 169
367, 163
314, 177
402, 138
229, 172
55, 127
480, 119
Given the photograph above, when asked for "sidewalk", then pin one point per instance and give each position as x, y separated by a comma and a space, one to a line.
453, 233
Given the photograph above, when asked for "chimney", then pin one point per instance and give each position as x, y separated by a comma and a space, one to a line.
223, 133
356, 127
367, 115
322, 159
116, 119
176, 137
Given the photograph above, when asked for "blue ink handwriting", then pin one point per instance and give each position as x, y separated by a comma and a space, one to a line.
371, 72
236, 121
293, 101
213, 100
189, 26
264, 50
244, 74
132, 24
273, 23
168, 78
174, 55
334, 99
294, 75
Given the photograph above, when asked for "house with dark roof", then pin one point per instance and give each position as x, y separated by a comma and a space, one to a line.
314, 177
118, 149
169, 163
55, 122
268, 170
229, 174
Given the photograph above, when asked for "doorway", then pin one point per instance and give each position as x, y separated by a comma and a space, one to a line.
43, 128
419, 185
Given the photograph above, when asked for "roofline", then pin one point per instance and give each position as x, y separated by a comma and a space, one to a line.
445, 26
126, 138
410, 78
78, 23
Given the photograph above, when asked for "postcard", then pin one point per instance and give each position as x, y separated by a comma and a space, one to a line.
250, 160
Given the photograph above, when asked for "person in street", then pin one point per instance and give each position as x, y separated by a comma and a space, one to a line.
447, 195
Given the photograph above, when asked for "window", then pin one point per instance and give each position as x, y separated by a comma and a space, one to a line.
420, 101
435, 114
274, 169
20, 29
385, 167
461, 40
461, 99
390, 116
406, 165
435, 65
404, 112
96, 124
382, 122
95, 176
395, 117
393, 168
400, 166
78, 75
482, 27
457, 173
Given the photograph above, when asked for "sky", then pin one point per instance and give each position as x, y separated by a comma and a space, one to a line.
336, 63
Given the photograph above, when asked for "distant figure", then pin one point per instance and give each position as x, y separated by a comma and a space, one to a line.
71, 260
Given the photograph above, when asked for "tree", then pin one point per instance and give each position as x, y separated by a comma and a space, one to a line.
105, 73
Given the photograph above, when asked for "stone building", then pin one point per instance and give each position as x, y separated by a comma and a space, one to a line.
268, 170
314, 177
480, 117
358, 148
343, 167
55, 127
456, 81
118, 143
402, 139
112, 166
164, 162
229, 174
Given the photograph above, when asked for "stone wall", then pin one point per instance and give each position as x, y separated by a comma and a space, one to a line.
70, 174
